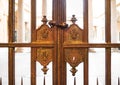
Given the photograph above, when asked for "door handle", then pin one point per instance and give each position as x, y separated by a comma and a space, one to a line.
62, 25
53, 23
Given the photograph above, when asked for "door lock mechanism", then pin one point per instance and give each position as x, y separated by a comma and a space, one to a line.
62, 25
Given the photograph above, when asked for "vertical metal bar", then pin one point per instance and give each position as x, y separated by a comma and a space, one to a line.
74, 80
44, 81
108, 21
33, 38
85, 39
97, 82
63, 19
0, 80
118, 81
11, 66
55, 59
11, 28
108, 66
33, 20
21, 80
108, 40
85, 18
11, 20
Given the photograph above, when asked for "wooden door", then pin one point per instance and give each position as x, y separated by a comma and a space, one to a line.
59, 44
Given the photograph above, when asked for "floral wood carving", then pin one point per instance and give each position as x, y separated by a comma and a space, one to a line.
74, 57
44, 33
73, 34
44, 57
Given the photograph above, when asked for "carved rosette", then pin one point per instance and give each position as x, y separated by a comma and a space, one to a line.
44, 57
74, 57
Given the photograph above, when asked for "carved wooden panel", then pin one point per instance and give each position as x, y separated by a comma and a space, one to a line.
73, 35
44, 34
74, 56
44, 57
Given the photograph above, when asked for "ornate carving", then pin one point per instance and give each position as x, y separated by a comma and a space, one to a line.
73, 70
74, 57
73, 34
44, 20
73, 19
44, 56
45, 69
44, 34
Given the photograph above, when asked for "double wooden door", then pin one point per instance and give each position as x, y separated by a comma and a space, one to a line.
59, 44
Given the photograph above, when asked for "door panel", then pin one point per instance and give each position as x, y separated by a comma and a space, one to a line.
74, 56
73, 34
45, 53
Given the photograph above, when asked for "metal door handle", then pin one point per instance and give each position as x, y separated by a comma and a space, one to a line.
62, 25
